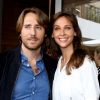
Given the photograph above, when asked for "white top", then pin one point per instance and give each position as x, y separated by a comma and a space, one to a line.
82, 84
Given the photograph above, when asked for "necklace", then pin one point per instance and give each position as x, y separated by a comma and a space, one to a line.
63, 62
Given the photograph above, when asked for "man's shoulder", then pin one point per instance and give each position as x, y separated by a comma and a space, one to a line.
9, 53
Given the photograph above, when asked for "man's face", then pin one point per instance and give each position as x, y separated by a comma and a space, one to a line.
32, 34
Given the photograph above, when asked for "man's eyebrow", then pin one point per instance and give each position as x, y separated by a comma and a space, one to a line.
27, 25
37, 25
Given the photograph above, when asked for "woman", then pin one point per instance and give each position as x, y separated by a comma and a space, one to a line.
76, 74
97, 60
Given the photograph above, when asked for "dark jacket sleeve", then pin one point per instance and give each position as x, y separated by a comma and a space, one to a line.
5, 59
50, 65
1, 64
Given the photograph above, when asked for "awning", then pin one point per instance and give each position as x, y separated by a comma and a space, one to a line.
92, 42
89, 28
91, 31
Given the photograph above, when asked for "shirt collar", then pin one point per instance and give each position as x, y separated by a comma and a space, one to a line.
39, 62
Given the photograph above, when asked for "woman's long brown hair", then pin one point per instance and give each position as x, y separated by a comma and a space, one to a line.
79, 53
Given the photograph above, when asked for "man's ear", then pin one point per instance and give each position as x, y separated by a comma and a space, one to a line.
75, 34
45, 35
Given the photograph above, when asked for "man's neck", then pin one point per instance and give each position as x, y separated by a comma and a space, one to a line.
31, 54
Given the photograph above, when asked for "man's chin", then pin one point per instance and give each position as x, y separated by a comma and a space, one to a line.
34, 48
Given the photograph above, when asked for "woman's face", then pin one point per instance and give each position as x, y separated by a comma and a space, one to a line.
63, 32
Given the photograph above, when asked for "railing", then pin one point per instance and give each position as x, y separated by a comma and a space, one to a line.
89, 12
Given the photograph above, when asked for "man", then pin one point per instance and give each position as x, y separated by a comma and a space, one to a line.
26, 73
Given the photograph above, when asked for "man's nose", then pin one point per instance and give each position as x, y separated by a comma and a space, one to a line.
33, 31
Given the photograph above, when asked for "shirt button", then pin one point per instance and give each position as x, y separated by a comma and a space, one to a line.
28, 65
34, 78
33, 92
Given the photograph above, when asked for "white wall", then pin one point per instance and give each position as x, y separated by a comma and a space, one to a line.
58, 5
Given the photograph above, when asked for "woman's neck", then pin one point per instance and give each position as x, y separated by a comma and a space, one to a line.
66, 54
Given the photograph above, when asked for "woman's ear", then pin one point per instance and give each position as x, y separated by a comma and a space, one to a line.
52, 35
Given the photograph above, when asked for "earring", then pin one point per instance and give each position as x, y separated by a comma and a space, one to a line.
74, 34
52, 36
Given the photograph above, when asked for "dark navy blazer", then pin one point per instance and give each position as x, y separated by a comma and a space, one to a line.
9, 67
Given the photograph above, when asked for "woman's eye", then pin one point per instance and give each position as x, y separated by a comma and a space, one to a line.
67, 28
56, 28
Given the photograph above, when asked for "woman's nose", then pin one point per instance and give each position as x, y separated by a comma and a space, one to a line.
62, 32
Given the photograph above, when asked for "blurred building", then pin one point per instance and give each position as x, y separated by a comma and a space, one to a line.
10, 10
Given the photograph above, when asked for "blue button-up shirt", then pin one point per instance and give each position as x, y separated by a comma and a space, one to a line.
29, 86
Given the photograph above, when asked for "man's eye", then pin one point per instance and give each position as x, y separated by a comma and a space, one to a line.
27, 26
38, 27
